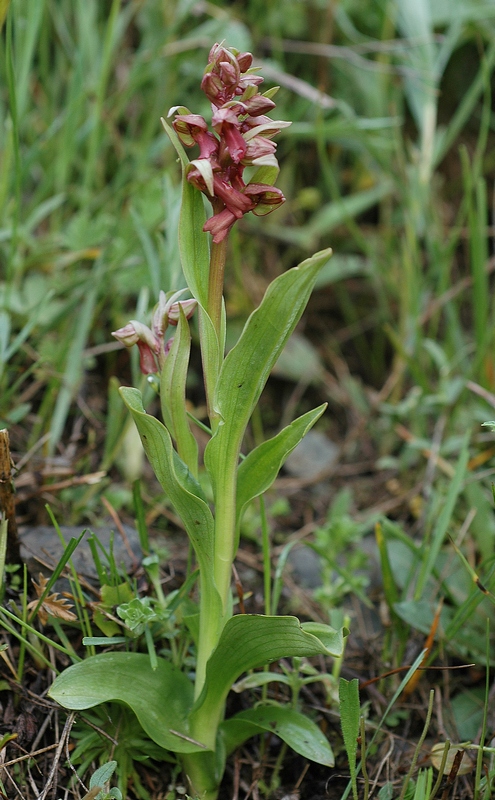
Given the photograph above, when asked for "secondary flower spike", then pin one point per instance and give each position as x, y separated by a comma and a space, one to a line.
241, 136
151, 342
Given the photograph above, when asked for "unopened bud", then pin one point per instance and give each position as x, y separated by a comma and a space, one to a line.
134, 333
188, 307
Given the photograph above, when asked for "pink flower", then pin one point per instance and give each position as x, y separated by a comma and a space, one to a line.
220, 224
135, 332
259, 147
242, 137
188, 127
235, 201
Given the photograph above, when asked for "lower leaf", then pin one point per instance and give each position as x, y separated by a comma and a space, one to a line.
249, 641
299, 732
161, 699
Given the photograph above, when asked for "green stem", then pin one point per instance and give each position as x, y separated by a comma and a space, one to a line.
225, 508
210, 628
200, 771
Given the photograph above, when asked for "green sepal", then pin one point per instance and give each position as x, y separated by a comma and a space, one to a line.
173, 394
299, 732
260, 468
161, 699
266, 174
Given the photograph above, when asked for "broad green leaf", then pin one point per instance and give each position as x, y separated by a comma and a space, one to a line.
249, 641
260, 468
247, 366
173, 394
184, 491
299, 732
161, 699
332, 639
349, 720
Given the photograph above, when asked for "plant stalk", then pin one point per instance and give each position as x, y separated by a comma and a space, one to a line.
225, 509
215, 286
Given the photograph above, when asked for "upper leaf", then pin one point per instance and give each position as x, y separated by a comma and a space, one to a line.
247, 366
193, 241
260, 468
173, 394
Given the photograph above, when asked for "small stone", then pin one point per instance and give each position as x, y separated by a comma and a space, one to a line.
41, 549
312, 455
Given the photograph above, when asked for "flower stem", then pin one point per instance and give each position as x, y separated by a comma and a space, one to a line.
215, 287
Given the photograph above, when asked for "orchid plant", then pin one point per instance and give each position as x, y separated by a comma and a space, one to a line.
184, 716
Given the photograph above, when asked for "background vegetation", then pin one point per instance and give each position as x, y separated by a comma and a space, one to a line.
390, 160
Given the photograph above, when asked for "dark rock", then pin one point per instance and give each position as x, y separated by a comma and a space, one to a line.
42, 549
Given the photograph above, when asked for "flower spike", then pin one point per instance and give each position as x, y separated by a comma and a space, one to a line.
241, 136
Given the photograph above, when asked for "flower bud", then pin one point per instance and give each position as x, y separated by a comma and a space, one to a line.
258, 104
188, 307
127, 335
244, 60
134, 333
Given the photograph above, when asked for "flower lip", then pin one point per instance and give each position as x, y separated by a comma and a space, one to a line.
147, 361
220, 224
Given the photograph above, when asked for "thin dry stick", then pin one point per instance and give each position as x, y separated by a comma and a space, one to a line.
28, 755
385, 760
65, 736
67, 754
14, 784
121, 530
43, 728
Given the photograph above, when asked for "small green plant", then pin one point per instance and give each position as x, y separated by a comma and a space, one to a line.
98, 781
343, 562
235, 170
